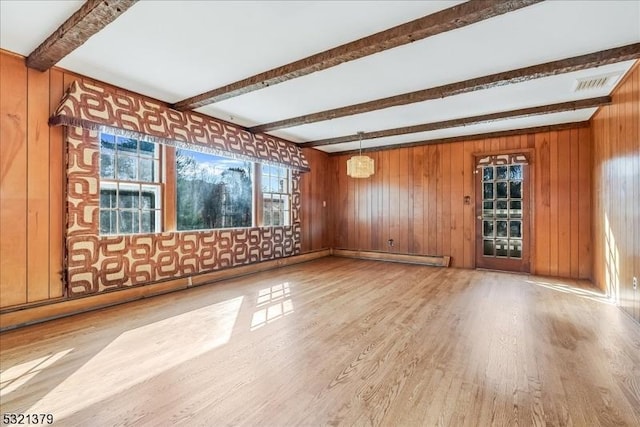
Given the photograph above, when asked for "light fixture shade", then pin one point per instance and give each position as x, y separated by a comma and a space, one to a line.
360, 167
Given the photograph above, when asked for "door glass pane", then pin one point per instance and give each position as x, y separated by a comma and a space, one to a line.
501, 190
515, 229
515, 172
501, 209
487, 209
515, 209
515, 248
487, 228
487, 190
487, 173
502, 248
501, 172
515, 190
488, 247
501, 228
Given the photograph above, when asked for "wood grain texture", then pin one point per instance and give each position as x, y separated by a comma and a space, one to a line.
314, 204
409, 345
13, 181
454, 17
583, 62
616, 182
442, 224
56, 188
37, 185
92, 17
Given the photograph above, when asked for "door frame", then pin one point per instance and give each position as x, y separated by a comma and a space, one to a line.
530, 154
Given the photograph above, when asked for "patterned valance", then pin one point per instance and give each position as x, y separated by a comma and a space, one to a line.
99, 108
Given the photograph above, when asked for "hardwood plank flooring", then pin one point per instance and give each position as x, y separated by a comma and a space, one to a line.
337, 342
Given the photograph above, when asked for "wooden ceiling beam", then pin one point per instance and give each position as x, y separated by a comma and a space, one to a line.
474, 137
591, 60
466, 121
92, 17
445, 20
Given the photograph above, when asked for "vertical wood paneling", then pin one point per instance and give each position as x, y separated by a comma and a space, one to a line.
615, 184
542, 202
635, 168
417, 156
56, 188
584, 208
554, 212
575, 202
376, 239
313, 217
564, 203
13, 181
404, 196
468, 208
394, 198
37, 185
445, 201
386, 175
432, 194
439, 176
456, 199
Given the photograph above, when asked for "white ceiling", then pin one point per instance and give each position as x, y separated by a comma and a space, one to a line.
171, 50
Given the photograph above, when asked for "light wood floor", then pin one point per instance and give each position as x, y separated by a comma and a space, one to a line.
337, 341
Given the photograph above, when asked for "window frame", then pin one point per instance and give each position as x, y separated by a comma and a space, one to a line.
172, 185
288, 194
115, 184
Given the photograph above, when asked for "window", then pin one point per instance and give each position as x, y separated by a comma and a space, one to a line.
276, 195
130, 195
213, 191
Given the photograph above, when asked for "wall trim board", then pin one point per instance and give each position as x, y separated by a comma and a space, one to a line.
22, 316
434, 261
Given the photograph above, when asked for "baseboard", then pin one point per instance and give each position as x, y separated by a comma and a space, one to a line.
13, 318
435, 261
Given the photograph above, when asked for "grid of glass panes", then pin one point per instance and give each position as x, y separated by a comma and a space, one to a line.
129, 186
502, 210
276, 195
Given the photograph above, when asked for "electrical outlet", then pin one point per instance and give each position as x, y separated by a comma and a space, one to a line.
390, 242
635, 283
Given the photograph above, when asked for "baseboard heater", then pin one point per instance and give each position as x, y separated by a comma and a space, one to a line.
435, 261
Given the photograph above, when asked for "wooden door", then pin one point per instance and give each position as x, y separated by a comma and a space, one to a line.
503, 212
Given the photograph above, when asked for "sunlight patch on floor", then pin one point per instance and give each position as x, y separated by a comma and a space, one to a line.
273, 303
153, 348
593, 295
16, 376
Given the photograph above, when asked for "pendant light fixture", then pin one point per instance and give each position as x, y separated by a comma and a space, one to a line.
360, 166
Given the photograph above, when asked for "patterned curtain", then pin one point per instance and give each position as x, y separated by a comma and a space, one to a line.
99, 108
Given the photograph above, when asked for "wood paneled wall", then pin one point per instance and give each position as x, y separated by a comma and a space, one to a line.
616, 186
416, 198
313, 209
31, 184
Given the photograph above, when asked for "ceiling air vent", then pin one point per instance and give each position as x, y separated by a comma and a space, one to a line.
596, 82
